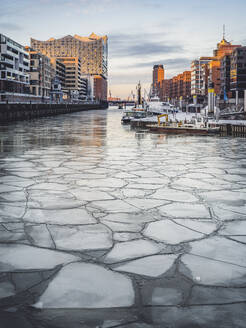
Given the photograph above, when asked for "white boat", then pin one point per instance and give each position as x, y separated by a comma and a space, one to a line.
155, 106
133, 114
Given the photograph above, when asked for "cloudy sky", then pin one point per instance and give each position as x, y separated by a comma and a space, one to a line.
141, 32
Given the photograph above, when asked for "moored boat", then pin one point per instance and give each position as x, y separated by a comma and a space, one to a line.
183, 129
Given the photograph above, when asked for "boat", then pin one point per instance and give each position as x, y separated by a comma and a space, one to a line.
156, 107
130, 115
194, 127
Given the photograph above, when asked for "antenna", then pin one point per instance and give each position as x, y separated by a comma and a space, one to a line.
223, 31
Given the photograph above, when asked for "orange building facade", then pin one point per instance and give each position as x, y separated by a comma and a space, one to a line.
176, 87
100, 88
224, 48
206, 71
158, 77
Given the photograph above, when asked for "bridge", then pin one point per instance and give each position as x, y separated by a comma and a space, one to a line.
121, 102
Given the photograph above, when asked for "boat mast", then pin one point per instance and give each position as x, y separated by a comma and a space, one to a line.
139, 94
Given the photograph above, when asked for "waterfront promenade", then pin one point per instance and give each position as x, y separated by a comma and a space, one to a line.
95, 216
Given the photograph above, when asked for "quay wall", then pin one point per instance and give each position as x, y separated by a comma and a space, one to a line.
15, 112
233, 130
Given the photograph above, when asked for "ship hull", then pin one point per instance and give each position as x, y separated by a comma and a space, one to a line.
183, 130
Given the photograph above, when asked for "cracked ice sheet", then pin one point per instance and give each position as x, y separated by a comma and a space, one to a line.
104, 183
114, 206
20, 183
234, 228
90, 195
220, 249
79, 238
39, 235
145, 204
194, 184
152, 181
11, 211
174, 195
172, 233
152, 266
225, 196
225, 214
185, 210
22, 257
86, 285
52, 200
132, 249
14, 196
73, 216
49, 186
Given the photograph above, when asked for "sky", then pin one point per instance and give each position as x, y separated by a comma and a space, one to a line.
140, 33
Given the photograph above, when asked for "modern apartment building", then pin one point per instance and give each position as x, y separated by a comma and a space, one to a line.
60, 70
73, 83
238, 70
224, 48
197, 81
41, 74
158, 77
14, 68
225, 70
206, 71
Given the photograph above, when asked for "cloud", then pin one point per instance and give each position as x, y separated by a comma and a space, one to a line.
140, 45
172, 62
10, 26
130, 77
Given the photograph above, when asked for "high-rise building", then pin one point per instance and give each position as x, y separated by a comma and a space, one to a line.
206, 71
60, 70
158, 76
224, 48
14, 68
73, 83
225, 69
238, 70
197, 81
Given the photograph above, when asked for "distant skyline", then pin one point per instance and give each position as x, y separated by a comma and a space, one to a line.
141, 32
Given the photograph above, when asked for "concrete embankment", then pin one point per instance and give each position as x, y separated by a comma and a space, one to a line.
14, 112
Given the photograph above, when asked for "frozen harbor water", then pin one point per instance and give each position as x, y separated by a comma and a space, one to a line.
103, 226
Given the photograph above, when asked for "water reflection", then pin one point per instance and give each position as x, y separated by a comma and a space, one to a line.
79, 129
